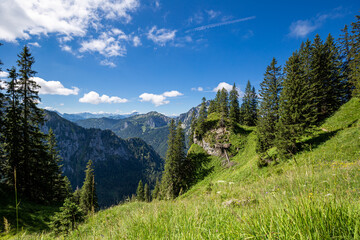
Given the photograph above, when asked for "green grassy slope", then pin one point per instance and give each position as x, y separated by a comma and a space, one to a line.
315, 195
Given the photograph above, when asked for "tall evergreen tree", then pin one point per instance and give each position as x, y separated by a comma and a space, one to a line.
224, 103
140, 192
156, 192
217, 101
2, 105
88, 197
295, 109
192, 128
248, 110
201, 119
355, 55
34, 150
12, 129
180, 160
147, 196
345, 55
212, 107
57, 183
268, 116
234, 114
167, 181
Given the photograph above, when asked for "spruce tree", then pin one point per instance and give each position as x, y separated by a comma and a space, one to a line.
140, 194
192, 128
224, 103
201, 119
355, 55
217, 101
234, 114
2, 105
295, 109
268, 116
248, 110
156, 192
33, 151
212, 107
88, 197
12, 129
147, 196
167, 181
345, 55
180, 175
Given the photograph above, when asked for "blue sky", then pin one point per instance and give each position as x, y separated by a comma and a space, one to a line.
136, 55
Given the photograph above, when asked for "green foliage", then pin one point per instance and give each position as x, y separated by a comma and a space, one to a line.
248, 110
234, 112
147, 196
192, 128
140, 193
355, 56
268, 116
88, 196
200, 120
66, 220
156, 191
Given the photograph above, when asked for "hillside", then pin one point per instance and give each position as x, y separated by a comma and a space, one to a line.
151, 127
119, 164
314, 195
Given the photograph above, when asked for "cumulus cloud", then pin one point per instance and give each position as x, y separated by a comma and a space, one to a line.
159, 99
108, 44
22, 19
199, 89
49, 108
35, 44
54, 88
66, 48
222, 85
94, 98
4, 74
161, 36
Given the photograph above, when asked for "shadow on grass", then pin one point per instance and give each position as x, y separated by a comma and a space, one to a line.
240, 130
316, 141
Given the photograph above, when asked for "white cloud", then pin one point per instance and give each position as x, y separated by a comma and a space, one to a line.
222, 85
161, 36
209, 26
35, 44
108, 44
49, 108
136, 41
212, 14
172, 94
66, 48
159, 99
54, 88
22, 19
199, 89
94, 98
108, 63
2, 84
302, 28
4, 74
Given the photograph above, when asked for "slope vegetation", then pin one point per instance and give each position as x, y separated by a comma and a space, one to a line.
314, 195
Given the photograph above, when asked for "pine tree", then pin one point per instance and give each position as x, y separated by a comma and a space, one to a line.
295, 109
167, 181
140, 194
201, 119
2, 105
355, 55
147, 196
223, 106
33, 153
217, 100
59, 188
234, 114
180, 174
248, 110
156, 191
212, 107
192, 128
268, 116
12, 129
88, 197
345, 55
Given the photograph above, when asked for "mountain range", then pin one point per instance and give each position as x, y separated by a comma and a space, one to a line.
119, 164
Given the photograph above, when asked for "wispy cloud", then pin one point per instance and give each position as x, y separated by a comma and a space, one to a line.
214, 25
161, 36
302, 28
199, 89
